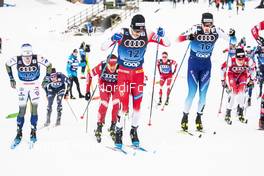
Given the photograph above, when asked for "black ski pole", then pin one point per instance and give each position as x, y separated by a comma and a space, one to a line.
154, 79
177, 74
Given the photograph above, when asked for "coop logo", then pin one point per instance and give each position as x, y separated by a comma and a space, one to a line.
132, 64
205, 38
202, 55
134, 43
27, 69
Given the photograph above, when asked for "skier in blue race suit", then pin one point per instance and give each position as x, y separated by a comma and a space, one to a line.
202, 40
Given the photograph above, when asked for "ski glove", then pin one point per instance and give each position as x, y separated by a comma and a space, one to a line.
116, 37
87, 96
260, 41
160, 32
232, 32
66, 96
45, 82
13, 83
250, 83
190, 37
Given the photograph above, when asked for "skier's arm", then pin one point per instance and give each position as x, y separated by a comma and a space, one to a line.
158, 37
43, 61
255, 32
116, 37
11, 62
95, 71
187, 35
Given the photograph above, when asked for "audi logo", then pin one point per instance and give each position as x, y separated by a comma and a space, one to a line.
205, 38
238, 69
27, 69
134, 43
164, 66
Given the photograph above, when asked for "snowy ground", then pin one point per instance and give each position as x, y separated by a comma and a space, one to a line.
68, 150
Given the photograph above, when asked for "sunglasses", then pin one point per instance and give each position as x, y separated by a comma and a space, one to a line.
207, 24
164, 56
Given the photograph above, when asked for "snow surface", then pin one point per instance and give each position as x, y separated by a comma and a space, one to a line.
69, 150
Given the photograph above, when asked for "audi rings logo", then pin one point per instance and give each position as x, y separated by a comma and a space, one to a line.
27, 69
134, 43
238, 69
205, 38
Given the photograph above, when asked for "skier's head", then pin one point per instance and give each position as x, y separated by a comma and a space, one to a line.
26, 50
240, 56
112, 63
207, 21
137, 23
75, 52
53, 74
164, 56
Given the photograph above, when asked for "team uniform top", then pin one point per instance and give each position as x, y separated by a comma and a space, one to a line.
31, 72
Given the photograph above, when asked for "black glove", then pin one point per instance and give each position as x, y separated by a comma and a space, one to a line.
260, 41
13, 83
223, 82
190, 37
87, 96
232, 32
66, 96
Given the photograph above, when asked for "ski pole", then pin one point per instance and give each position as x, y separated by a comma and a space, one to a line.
177, 73
86, 109
154, 79
223, 89
71, 110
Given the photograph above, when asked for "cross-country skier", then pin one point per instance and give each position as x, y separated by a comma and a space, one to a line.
107, 89
132, 44
237, 71
260, 40
56, 86
72, 68
166, 72
203, 37
28, 69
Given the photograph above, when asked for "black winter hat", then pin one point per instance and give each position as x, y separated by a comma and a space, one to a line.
207, 18
138, 22
240, 53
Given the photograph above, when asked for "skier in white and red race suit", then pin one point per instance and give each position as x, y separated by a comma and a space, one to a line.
166, 71
132, 44
107, 80
237, 74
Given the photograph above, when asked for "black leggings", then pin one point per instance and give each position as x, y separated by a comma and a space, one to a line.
76, 81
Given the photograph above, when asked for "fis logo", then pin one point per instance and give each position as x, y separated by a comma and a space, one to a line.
134, 43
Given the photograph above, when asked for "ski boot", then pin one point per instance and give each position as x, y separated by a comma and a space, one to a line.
241, 115
228, 117
17, 139
198, 122
47, 123
118, 138
261, 123
167, 101
72, 97
184, 122
98, 132
58, 121
134, 136
33, 136
160, 101
81, 96
112, 130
